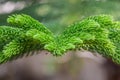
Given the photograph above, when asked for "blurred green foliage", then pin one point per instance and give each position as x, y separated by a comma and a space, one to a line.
57, 14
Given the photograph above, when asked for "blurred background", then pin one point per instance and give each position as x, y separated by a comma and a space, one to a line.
56, 15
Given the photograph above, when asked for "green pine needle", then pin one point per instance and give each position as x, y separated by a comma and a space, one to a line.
96, 33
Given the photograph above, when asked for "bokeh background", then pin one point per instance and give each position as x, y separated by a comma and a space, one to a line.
56, 15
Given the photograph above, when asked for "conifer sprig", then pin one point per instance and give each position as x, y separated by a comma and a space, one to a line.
96, 33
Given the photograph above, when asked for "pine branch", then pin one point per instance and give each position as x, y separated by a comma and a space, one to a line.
26, 22
96, 33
